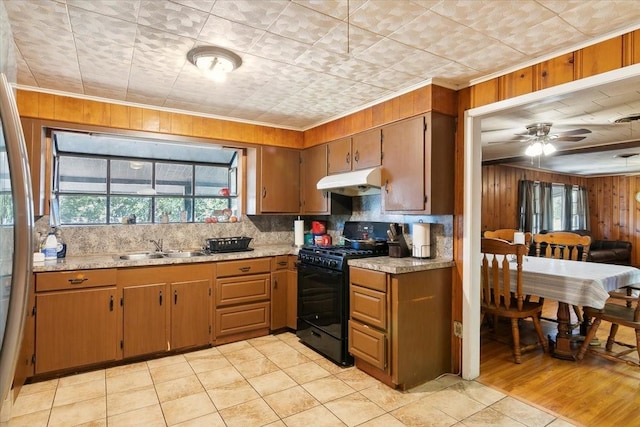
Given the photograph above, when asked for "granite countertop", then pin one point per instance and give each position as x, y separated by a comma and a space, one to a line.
400, 265
113, 260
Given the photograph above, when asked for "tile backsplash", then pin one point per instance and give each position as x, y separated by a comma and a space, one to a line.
264, 229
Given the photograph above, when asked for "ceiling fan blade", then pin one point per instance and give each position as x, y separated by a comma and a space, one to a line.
573, 132
569, 138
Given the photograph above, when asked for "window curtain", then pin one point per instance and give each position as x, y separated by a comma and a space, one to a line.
525, 202
545, 201
566, 219
536, 204
582, 208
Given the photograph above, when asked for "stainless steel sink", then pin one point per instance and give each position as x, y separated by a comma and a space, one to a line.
183, 254
141, 255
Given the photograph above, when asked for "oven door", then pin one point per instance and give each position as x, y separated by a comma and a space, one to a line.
322, 295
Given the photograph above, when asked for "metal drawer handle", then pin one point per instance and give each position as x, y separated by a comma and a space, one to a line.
282, 263
244, 269
78, 280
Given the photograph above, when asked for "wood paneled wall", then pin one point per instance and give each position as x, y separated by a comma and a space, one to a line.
614, 213
500, 192
75, 110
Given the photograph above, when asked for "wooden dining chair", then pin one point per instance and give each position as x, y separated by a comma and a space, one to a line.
500, 298
507, 234
563, 245
619, 314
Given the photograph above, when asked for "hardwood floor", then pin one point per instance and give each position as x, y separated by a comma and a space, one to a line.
592, 392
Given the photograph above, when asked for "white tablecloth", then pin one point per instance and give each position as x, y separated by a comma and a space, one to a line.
574, 282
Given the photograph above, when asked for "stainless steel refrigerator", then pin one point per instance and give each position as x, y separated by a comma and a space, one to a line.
16, 230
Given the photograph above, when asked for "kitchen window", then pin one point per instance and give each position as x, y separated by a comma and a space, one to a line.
103, 179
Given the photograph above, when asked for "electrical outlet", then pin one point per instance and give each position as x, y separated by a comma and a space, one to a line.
457, 328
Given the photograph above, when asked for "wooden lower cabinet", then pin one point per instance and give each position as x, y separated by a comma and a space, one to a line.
190, 313
400, 325
242, 299
144, 321
292, 293
165, 308
279, 286
76, 328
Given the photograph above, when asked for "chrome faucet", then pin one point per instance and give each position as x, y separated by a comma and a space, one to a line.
157, 244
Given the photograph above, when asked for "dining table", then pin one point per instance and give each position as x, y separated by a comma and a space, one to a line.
572, 283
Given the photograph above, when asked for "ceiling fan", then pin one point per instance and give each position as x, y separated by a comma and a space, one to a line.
539, 139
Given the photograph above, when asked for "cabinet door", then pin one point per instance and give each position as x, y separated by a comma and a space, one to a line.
403, 164
145, 319
339, 156
279, 287
292, 299
75, 328
368, 344
190, 313
280, 177
314, 167
366, 149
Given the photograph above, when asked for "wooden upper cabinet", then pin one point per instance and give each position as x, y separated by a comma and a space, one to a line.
554, 71
516, 83
361, 151
600, 57
417, 165
280, 180
367, 149
314, 167
339, 156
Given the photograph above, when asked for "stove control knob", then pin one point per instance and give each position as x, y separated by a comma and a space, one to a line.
333, 263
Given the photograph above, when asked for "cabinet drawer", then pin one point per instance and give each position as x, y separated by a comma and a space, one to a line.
368, 344
368, 278
240, 290
368, 306
76, 279
280, 262
243, 318
244, 266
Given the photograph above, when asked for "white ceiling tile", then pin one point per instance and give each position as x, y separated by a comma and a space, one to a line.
278, 48
554, 32
259, 14
302, 24
229, 34
393, 80
320, 60
204, 5
420, 63
162, 48
593, 18
89, 24
490, 57
387, 52
336, 8
515, 16
124, 10
385, 16
171, 17
27, 14
348, 39
356, 70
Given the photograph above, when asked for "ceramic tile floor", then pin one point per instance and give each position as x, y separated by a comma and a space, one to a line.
267, 381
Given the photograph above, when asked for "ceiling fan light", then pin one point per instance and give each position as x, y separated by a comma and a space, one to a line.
534, 149
548, 148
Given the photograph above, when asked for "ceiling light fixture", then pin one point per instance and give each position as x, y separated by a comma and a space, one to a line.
540, 141
214, 62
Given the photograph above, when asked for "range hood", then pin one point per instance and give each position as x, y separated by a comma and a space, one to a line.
356, 183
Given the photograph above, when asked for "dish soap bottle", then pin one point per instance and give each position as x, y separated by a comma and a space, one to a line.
50, 248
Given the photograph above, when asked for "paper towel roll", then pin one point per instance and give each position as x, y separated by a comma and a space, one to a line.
298, 230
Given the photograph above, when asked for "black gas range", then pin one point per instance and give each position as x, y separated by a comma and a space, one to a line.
323, 288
